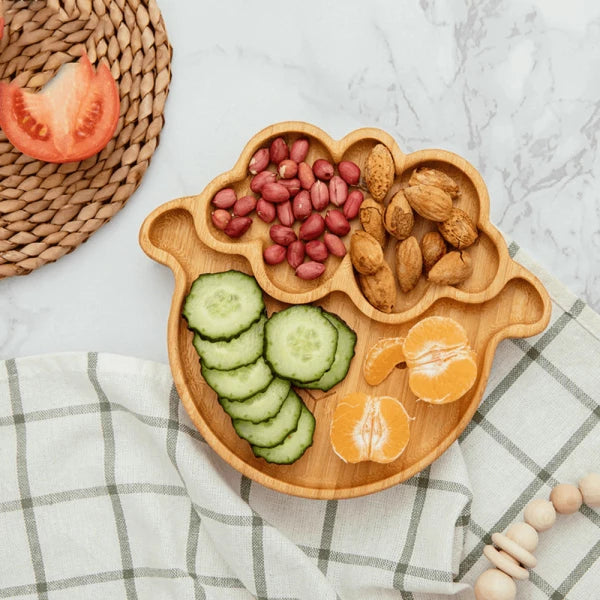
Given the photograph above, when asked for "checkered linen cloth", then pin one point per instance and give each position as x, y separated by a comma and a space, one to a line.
108, 491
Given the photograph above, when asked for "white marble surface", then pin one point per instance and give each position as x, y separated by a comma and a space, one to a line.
511, 85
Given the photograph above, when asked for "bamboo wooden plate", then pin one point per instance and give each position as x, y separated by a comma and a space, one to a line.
500, 300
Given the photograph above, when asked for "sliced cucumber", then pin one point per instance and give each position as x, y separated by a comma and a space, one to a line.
343, 356
237, 352
221, 306
273, 431
261, 406
300, 343
294, 445
240, 383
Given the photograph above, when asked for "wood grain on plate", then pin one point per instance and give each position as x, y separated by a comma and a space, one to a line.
500, 300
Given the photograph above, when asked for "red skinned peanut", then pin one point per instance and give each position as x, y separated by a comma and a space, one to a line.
312, 228
260, 161
336, 222
287, 169
349, 172
278, 150
317, 250
285, 214
274, 254
295, 253
305, 175
220, 218
275, 192
282, 235
334, 244
238, 226
338, 190
302, 206
352, 204
291, 185
224, 198
299, 150
319, 195
244, 206
310, 270
265, 210
323, 169
258, 181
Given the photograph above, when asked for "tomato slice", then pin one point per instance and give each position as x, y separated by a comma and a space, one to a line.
71, 118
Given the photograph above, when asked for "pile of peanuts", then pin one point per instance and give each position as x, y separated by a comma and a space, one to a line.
294, 191
512, 553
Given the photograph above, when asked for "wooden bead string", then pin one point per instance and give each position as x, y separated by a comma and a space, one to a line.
512, 553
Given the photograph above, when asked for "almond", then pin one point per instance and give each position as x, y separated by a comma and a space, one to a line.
453, 268
458, 229
366, 254
433, 247
399, 218
430, 202
379, 172
371, 219
409, 263
379, 288
436, 178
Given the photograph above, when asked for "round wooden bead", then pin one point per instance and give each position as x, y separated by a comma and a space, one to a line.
540, 514
524, 534
517, 552
510, 567
566, 498
495, 585
590, 489
508, 557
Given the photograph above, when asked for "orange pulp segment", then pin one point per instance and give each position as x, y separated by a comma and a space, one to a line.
374, 428
381, 359
442, 366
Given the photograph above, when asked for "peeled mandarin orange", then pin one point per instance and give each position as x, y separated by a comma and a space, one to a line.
372, 428
442, 366
381, 359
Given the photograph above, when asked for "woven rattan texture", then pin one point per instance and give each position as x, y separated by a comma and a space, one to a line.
47, 210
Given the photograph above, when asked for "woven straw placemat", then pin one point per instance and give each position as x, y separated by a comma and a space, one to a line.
47, 210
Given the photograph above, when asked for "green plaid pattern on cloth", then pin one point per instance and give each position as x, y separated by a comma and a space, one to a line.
108, 491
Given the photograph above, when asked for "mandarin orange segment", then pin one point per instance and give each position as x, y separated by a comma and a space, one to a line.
381, 359
446, 380
375, 428
433, 333
442, 366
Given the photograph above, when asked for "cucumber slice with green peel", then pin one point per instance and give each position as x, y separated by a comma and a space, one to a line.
272, 431
240, 383
343, 356
220, 306
300, 343
294, 445
242, 350
261, 406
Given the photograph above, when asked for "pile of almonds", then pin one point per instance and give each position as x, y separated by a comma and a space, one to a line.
286, 190
440, 255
